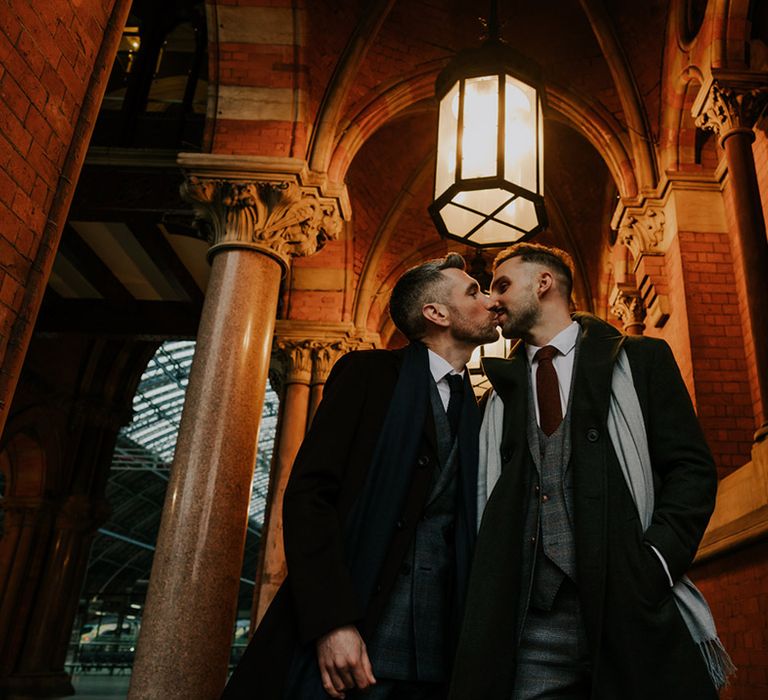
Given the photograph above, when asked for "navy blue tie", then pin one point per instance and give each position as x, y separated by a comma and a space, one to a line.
456, 383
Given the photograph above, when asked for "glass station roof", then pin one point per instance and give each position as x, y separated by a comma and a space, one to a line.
122, 551
150, 440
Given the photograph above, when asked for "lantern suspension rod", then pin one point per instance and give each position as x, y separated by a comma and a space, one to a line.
493, 21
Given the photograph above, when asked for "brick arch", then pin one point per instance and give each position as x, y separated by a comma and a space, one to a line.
598, 126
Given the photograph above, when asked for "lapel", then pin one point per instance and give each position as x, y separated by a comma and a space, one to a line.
509, 378
600, 346
428, 430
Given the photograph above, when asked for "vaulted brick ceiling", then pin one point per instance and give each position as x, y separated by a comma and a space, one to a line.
387, 176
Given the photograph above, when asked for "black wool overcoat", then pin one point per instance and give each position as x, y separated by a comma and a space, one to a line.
639, 645
328, 476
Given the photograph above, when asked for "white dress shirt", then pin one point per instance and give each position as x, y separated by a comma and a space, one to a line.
565, 342
440, 369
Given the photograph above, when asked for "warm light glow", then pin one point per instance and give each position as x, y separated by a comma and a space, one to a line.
481, 122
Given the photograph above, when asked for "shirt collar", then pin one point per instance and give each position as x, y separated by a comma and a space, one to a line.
439, 366
564, 341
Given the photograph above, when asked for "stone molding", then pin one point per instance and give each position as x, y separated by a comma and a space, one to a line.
627, 305
277, 216
642, 230
730, 100
304, 351
741, 509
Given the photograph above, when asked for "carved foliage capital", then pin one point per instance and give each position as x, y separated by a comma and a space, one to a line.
327, 352
643, 231
297, 360
280, 216
727, 108
627, 305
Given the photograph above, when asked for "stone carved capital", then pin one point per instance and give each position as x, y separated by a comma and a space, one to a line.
281, 218
327, 352
627, 305
296, 356
725, 108
643, 231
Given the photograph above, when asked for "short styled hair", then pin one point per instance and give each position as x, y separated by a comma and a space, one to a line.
418, 286
557, 261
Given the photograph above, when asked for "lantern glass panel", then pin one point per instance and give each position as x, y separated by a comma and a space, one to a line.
492, 232
459, 221
520, 147
480, 124
447, 136
483, 201
520, 213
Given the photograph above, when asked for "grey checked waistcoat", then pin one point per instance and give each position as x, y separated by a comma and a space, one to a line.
551, 554
410, 640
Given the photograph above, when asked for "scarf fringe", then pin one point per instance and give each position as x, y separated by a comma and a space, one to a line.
718, 661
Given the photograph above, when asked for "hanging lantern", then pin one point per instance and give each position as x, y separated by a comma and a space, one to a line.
489, 179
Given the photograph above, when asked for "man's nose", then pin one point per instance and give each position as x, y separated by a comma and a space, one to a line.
489, 302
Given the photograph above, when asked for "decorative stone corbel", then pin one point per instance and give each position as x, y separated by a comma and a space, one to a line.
627, 305
642, 230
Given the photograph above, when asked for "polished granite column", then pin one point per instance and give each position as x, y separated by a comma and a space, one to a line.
186, 632
294, 406
729, 106
325, 356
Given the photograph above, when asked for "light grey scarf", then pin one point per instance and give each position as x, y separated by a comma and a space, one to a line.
626, 428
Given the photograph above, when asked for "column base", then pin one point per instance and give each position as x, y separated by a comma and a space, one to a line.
21, 686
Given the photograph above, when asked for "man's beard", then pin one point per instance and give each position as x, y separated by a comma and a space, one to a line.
475, 334
519, 320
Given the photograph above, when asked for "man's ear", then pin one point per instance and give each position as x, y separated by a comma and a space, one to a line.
546, 282
436, 313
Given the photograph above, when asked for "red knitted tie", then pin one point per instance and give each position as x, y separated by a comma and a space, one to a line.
547, 390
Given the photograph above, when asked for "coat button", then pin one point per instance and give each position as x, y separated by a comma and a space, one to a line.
533, 540
401, 523
423, 461
593, 435
544, 498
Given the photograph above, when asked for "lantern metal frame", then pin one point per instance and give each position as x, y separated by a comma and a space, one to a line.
493, 59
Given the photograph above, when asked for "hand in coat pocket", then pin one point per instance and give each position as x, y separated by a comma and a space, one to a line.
653, 580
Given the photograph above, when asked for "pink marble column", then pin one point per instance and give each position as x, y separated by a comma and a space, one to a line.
187, 626
290, 433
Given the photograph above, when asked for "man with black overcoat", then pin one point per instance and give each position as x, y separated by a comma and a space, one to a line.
571, 591
380, 511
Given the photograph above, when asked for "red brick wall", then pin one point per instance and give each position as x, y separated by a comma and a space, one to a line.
54, 63
720, 375
736, 587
